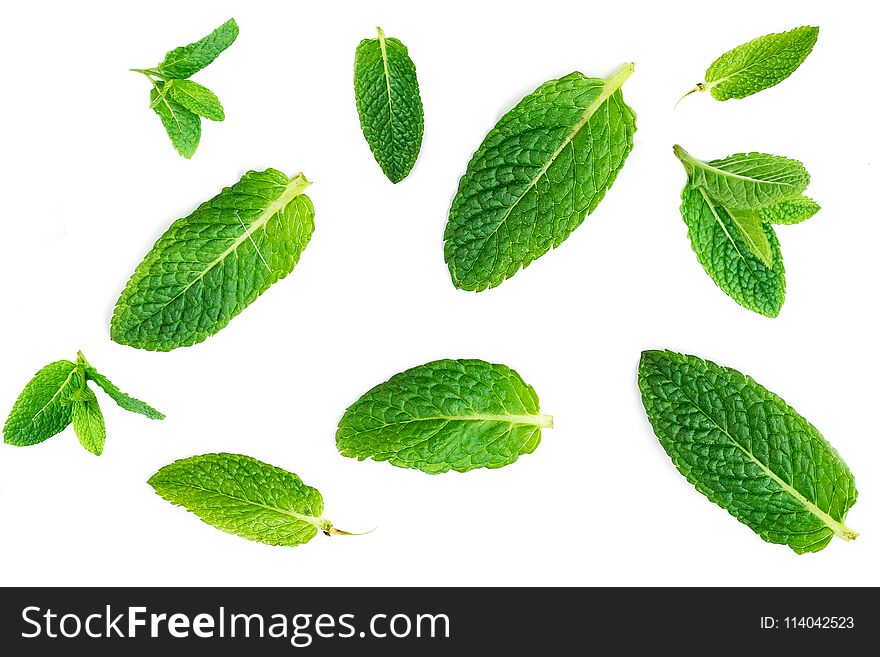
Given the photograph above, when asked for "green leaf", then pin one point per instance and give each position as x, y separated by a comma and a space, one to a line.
125, 401
752, 231
183, 127
187, 60
726, 257
445, 415
246, 497
42, 409
196, 98
793, 211
747, 450
212, 264
746, 181
546, 165
759, 64
88, 422
388, 103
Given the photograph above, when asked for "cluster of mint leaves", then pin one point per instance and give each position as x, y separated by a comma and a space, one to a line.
58, 396
459, 415
181, 103
731, 204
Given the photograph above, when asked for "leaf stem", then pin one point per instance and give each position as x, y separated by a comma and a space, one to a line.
701, 86
329, 530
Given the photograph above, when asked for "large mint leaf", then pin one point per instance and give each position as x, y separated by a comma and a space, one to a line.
546, 165
445, 415
727, 258
246, 497
210, 265
747, 450
187, 60
746, 181
388, 104
88, 421
759, 64
184, 128
42, 409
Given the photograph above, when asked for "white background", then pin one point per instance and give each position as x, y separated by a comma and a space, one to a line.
89, 181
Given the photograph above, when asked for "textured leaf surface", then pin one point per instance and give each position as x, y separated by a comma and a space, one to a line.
211, 265
184, 128
726, 257
544, 167
747, 181
445, 415
42, 409
196, 98
747, 450
760, 63
388, 104
750, 227
793, 211
125, 401
185, 61
243, 496
88, 422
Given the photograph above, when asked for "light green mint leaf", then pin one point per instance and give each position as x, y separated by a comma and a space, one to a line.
746, 181
196, 98
793, 211
42, 409
545, 165
187, 60
183, 127
747, 450
212, 264
124, 401
758, 64
752, 231
388, 104
727, 258
445, 415
88, 421
246, 497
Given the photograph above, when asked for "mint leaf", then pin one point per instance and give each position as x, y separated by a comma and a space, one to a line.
746, 181
752, 231
388, 103
183, 127
747, 450
545, 165
42, 409
88, 421
445, 415
793, 211
196, 98
123, 400
759, 64
727, 258
187, 60
246, 497
212, 264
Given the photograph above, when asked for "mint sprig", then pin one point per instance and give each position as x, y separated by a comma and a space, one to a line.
181, 103
59, 395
